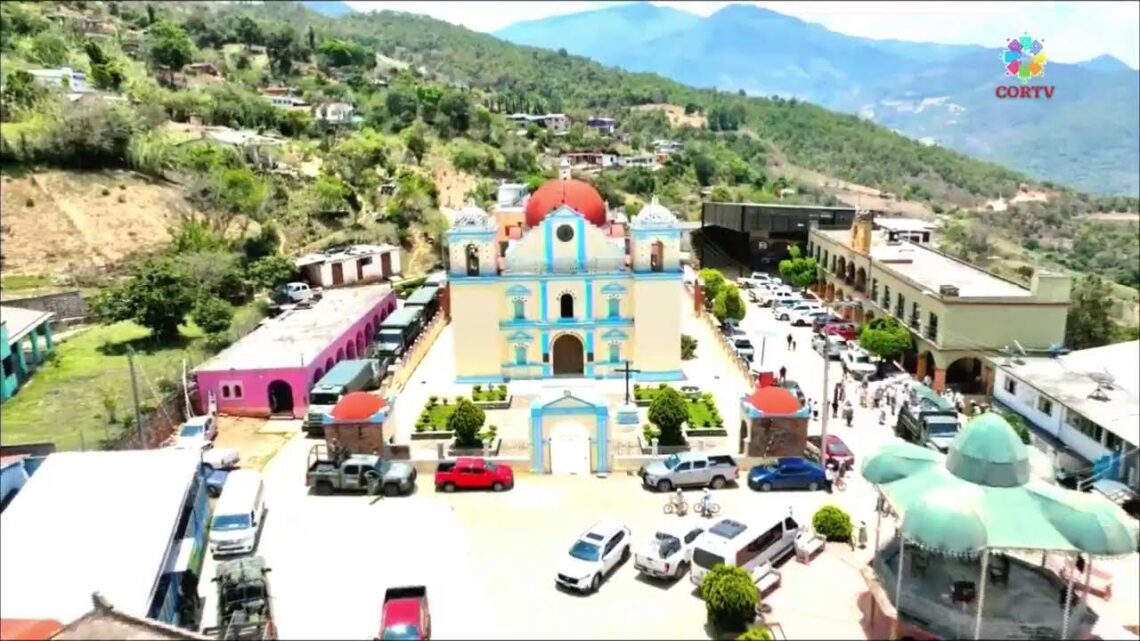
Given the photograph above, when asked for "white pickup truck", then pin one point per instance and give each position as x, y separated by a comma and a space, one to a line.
859, 363
689, 469
669, 552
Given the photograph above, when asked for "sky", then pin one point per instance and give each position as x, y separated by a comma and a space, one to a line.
1072, 31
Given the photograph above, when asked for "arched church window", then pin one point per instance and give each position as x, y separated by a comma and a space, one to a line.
519, 308
472, 260
614, 307
615, 352
566, 303
520, 354
657, 256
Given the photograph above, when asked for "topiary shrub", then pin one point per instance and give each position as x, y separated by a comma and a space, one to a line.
432, 400
477, 388
466, 422
832, 523
730, 598
758, 633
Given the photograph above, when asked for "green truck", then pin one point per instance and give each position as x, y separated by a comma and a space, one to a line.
398, 332
344, 377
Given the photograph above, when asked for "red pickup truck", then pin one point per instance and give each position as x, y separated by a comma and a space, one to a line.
471, 473
405, 616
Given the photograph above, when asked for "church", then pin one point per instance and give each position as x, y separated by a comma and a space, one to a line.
564, 291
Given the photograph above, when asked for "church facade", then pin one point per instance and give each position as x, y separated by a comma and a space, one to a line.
566, 292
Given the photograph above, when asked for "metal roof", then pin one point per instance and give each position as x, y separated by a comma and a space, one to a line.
422, 296
402, 317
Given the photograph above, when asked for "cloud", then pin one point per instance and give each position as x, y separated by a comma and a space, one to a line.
1072, 31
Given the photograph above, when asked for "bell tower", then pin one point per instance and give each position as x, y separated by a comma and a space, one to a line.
861, 229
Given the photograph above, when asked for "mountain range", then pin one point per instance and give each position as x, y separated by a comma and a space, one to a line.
1087, 135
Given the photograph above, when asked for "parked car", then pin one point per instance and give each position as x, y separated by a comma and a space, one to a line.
837, 451
731, 327
802, 315
597, 552
688, 469
358, 472
221, 458
788, 473
296, 293
847, 330
471, 473
669, 552
822, 318
858, 363
744, 348
197, 431
405, 615
215, 481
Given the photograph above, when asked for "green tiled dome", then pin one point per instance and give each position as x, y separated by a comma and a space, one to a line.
989, 452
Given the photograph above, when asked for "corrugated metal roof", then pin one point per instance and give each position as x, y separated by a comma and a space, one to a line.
422, 296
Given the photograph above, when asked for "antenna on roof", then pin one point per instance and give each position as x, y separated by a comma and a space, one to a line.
1011, 356
1104, 382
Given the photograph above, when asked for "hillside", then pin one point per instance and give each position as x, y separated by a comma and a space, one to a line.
940, 92
431, 132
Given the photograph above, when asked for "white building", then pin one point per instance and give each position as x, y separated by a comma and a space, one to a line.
335, 113
1089, 400
352, 264
286, 102
915, 230
557, 123
74, 81
605, 126
639, 160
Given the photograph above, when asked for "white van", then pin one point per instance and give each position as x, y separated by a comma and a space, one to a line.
239, 514
744, 546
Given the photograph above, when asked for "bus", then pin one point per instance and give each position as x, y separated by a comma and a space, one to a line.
741, 545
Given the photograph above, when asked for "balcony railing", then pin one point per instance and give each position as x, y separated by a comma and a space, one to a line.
568, 266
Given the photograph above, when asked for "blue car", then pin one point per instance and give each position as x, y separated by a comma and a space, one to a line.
215, 481
791, 473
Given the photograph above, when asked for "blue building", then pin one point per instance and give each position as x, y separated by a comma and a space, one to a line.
25, 342
130, 525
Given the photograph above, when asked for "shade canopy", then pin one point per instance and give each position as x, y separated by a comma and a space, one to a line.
981, 496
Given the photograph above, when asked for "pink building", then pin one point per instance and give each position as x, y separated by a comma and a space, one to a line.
270, 371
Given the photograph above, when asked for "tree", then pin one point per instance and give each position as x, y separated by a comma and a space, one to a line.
1089, 323
456, 107
669, 412
797, 270
832, 523
730, 598
156, 296
312, 39
270, 272
20, 92
149, 14
106, 72
249, 31
283, 46
416, 142
212, 315
757, 633
691, 108
465, 422
688, 347
705, 169
295, 122
885, 337
168, 46
728, 304
713, 281
50, 48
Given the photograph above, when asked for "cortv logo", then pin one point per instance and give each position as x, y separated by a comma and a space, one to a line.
1024, 58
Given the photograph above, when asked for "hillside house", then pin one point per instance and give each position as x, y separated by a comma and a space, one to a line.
349, 265
667, 147
556, 123
335, 113
648, 161
65, 77
601, 125
586, 159
202, 69
287, 102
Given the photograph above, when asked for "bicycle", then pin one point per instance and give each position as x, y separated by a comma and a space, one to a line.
840, 484
679, 509
713, 510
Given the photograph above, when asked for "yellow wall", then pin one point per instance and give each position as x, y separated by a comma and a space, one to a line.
657, 325
477, 352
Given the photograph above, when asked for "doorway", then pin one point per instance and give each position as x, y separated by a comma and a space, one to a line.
337, 274
280, 398
568, 356
569, 449
385, 265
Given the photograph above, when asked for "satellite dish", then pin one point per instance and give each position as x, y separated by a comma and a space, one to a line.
1103, 379
1020, 349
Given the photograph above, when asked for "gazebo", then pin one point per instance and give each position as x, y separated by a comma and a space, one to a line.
974, 530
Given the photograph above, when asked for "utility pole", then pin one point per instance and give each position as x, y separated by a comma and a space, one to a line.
135, 396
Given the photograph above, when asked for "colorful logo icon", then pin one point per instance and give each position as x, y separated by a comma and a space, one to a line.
1024, 58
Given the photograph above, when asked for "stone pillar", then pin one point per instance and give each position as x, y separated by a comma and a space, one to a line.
45, 330
920, 367
36, 358
939, 379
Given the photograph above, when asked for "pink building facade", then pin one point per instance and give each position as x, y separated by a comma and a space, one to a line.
270, 391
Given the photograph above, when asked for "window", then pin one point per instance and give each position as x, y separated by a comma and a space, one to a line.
351, 470
472, 260
900, 306
615, 352
759, 545
614, 307
237, 391
225, 391
700, 465
932, 326
886, 296
520, 354
657, 256
683, 467
692, 536
1044, 405
914, 315
566, 302
1113, 442
366, 261
1010, 386
8, 366
1086, 427
520, 309
874, 289
565, 233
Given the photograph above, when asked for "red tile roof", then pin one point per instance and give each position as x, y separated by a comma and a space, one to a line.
358, 406
774, 401
28, 629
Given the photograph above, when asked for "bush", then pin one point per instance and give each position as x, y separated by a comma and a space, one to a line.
832, 523
432, 400
650, 432
688, 347
477, 388
668, 411
730, 598
106, 192
466, 421
213, 315
758, 633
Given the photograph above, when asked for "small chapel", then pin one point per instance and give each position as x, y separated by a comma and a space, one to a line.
560, 289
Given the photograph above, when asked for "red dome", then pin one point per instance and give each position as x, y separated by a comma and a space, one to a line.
774, 401
357, 406
575, 194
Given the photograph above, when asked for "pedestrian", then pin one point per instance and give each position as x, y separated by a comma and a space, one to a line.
834, 407
829, 476
793, 344
882, 417
926, 380
790, 341
815, 410
783, 373
848, 414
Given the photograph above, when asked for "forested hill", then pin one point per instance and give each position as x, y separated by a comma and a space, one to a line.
837, 145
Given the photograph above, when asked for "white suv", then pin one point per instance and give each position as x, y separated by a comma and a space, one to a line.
800, 312
597, 552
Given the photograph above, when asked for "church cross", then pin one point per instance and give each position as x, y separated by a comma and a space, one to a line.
627, 371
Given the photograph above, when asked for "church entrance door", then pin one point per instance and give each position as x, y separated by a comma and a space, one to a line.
569, 449
569, 358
